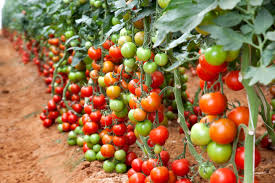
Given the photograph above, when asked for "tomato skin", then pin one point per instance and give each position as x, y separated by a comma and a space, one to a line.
86, 91
205, 75
137, 178
106, 120
161, 59
90, 128
151, 103
232, 81
209, 84
213, 103
132, 85
159, 174
200, 134
215, 55
107, 44
131, 172
130, 157
157, 79
131, 138
47, 123
223, 175
219, 153
184, 180
128, 50
159, 135
223, 131
143, 54
211, 68
180, 167
115, 52
239, 115
240, 156
107, 150
148, 165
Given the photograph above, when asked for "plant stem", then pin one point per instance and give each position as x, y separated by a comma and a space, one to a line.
253, 104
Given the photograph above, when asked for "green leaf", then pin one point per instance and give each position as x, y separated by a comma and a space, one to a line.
228, 4
229, 19
76, 59
255, 2
230, 39
72, 38
115, 28
270, 35
246, 29
84, 19
263, 21
261, 74
182, 15
178, 41
143, 13
268, 54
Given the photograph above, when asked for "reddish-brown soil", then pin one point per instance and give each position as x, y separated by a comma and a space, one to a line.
31, 153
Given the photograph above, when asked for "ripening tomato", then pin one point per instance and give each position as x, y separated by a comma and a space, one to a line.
159, 174
119, 129
213, 103
180, 167
223, 175
119, 141
209, 119
107, 150
151, 103
113, 92
108, 66
240, 156
223, 131
94, 54
211, 68
159, 135
139, 114
239, 115
232, 81
109, 79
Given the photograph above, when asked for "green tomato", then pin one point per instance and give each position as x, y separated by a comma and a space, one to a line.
94, 138
71, 142
87, 60
82, 1
98, 4
144, 128
163, 3
170, 115
80, 122
123, 113
206, 170
74, 43
86, 138
80, 141
130, 62
96, 148
127, 16
100, 81
161, 59
121, 168
219, 153
150, 67
92, 2
215, 55
60, 128
80, 75
100, 157
120, 155
139, 38
200, 134
51, 55
69, 34
78, 130
128, 50
143, 54
128, 69
273, 103
88, 44
115, 38
125, 32
124, 98
115, 21
59, 120
116, 105
108, 166
181, 70
90, 155
66, 1
124, 39
157, 148
71, 135
232, 55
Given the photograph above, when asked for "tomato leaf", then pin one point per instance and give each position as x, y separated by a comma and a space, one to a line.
261, 74
144, 13
268, 54
115, 28
178, 41
255, 2
77, 58
84, 19
270, 35
72, 38
246, 29
230, 39
182, 15
228, 4
263, 21
229, 19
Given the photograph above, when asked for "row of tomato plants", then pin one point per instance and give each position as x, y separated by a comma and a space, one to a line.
118, 94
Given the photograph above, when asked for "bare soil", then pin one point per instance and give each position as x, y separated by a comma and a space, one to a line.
30, 153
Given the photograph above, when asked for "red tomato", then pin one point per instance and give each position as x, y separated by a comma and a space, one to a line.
159, 135
90, 128
137, 164
209, 84
119, 141
47, 123
52, 105
159, 174
99, 100
66, 127
119, 129
85, 147
213, 103
130, 138
77, 108
205, 75
184, 180
157, 79
106, 120
211, 68
137, 178
107, 44
180, 167
148, 165
239, 115
132, 85
131, 172
95, 116
223, 175
239, 158
94, 54
115, 52
151, 103
107, 150
165, 157
130, 157
232, 81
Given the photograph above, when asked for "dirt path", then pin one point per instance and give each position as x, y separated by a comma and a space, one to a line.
31, 153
